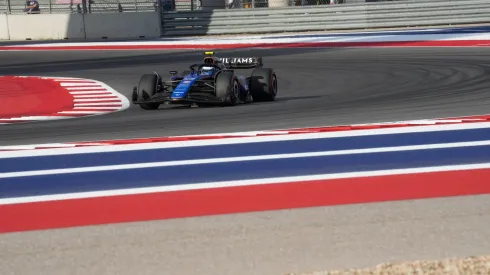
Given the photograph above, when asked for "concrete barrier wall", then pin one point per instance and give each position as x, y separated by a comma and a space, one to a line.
45, 26
80, 26
122, 25
4, 29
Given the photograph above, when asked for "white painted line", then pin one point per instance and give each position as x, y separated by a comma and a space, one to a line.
82, 88
274, 39
95, 96
422, 122
32, 118
240, 140
59, 79
81, 112
251, 133
55, 145
112, 98
98, 104
46, 145
237, 183
90, 92
237, 159
79, 80
17, 147
124, 101
67, 84
96, 108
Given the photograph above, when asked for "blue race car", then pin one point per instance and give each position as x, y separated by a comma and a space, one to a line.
212, 82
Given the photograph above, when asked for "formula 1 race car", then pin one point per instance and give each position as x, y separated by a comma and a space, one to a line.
213, 82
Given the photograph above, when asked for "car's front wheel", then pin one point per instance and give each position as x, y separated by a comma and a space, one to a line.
227, 88
147, 87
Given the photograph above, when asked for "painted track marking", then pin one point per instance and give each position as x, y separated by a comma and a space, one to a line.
419, 126
423, 161
238, 159
440, 37
107, 99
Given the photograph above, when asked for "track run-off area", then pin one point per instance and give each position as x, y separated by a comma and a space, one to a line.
369, 154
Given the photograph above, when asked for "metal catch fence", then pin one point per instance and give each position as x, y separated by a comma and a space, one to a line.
389, 14
111, 6
93, 6
79, 6
200, 17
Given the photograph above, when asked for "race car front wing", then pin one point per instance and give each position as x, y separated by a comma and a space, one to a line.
191, 97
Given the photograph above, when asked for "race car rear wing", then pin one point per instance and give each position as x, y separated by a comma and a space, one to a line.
241, 62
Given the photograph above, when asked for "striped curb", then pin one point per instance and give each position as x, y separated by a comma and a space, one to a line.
399, 38
311, 130
260, 44
90, 97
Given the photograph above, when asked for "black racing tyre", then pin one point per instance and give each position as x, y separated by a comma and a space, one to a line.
134, 95
263, 84
147, 87
227, 87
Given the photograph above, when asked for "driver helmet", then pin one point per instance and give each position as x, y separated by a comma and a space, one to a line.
209, 60
215, 61
207, 69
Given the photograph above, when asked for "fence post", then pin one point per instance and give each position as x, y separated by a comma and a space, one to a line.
84, 6
160, 12
9, 10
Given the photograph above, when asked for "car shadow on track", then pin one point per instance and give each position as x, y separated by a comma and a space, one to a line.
278, 100
293, 98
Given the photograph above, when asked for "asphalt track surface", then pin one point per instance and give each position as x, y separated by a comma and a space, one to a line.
317, 87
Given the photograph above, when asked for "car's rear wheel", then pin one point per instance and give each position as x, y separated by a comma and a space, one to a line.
147, 87
263, 84
227, 87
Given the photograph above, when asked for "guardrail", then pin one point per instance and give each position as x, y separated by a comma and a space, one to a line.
88, 6
111, 6
326, 17
385, 14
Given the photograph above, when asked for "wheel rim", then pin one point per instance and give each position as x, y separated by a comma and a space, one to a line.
274, 86
235, 92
